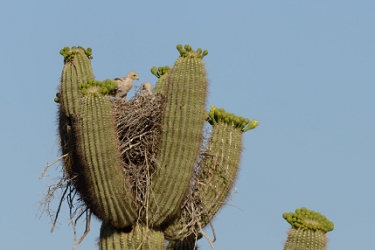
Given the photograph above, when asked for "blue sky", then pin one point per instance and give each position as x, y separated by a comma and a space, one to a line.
303, 69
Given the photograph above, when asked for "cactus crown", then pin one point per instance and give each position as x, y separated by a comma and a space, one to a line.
308, 219
69, 53
188, 51
217, 115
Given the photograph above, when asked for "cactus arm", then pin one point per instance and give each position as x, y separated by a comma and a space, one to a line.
182, 124
107, 195
88, 134
222, 160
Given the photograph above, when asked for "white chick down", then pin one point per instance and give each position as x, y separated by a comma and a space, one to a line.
147, 87
124, 84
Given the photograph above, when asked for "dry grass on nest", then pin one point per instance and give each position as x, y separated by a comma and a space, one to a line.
139, 127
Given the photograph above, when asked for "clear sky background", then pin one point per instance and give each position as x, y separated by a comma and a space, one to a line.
303, 69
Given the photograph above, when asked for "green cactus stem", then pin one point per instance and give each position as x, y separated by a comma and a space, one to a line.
308, 230
139, 237
182, 126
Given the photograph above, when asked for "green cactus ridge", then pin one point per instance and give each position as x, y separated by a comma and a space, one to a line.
140, 237
185, 89
308, 219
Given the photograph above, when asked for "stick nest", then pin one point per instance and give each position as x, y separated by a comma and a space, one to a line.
138, 129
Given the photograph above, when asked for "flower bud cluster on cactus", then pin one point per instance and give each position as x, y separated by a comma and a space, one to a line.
308, 230
163, 181
99, 87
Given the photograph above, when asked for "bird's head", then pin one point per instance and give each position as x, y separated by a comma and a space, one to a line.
133, 75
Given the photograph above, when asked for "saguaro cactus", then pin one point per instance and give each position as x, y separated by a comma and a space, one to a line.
170, 190
308, 230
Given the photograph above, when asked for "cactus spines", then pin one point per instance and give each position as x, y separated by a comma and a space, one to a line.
308, 230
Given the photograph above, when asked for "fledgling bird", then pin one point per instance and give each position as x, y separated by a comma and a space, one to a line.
147, 86
124, 84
